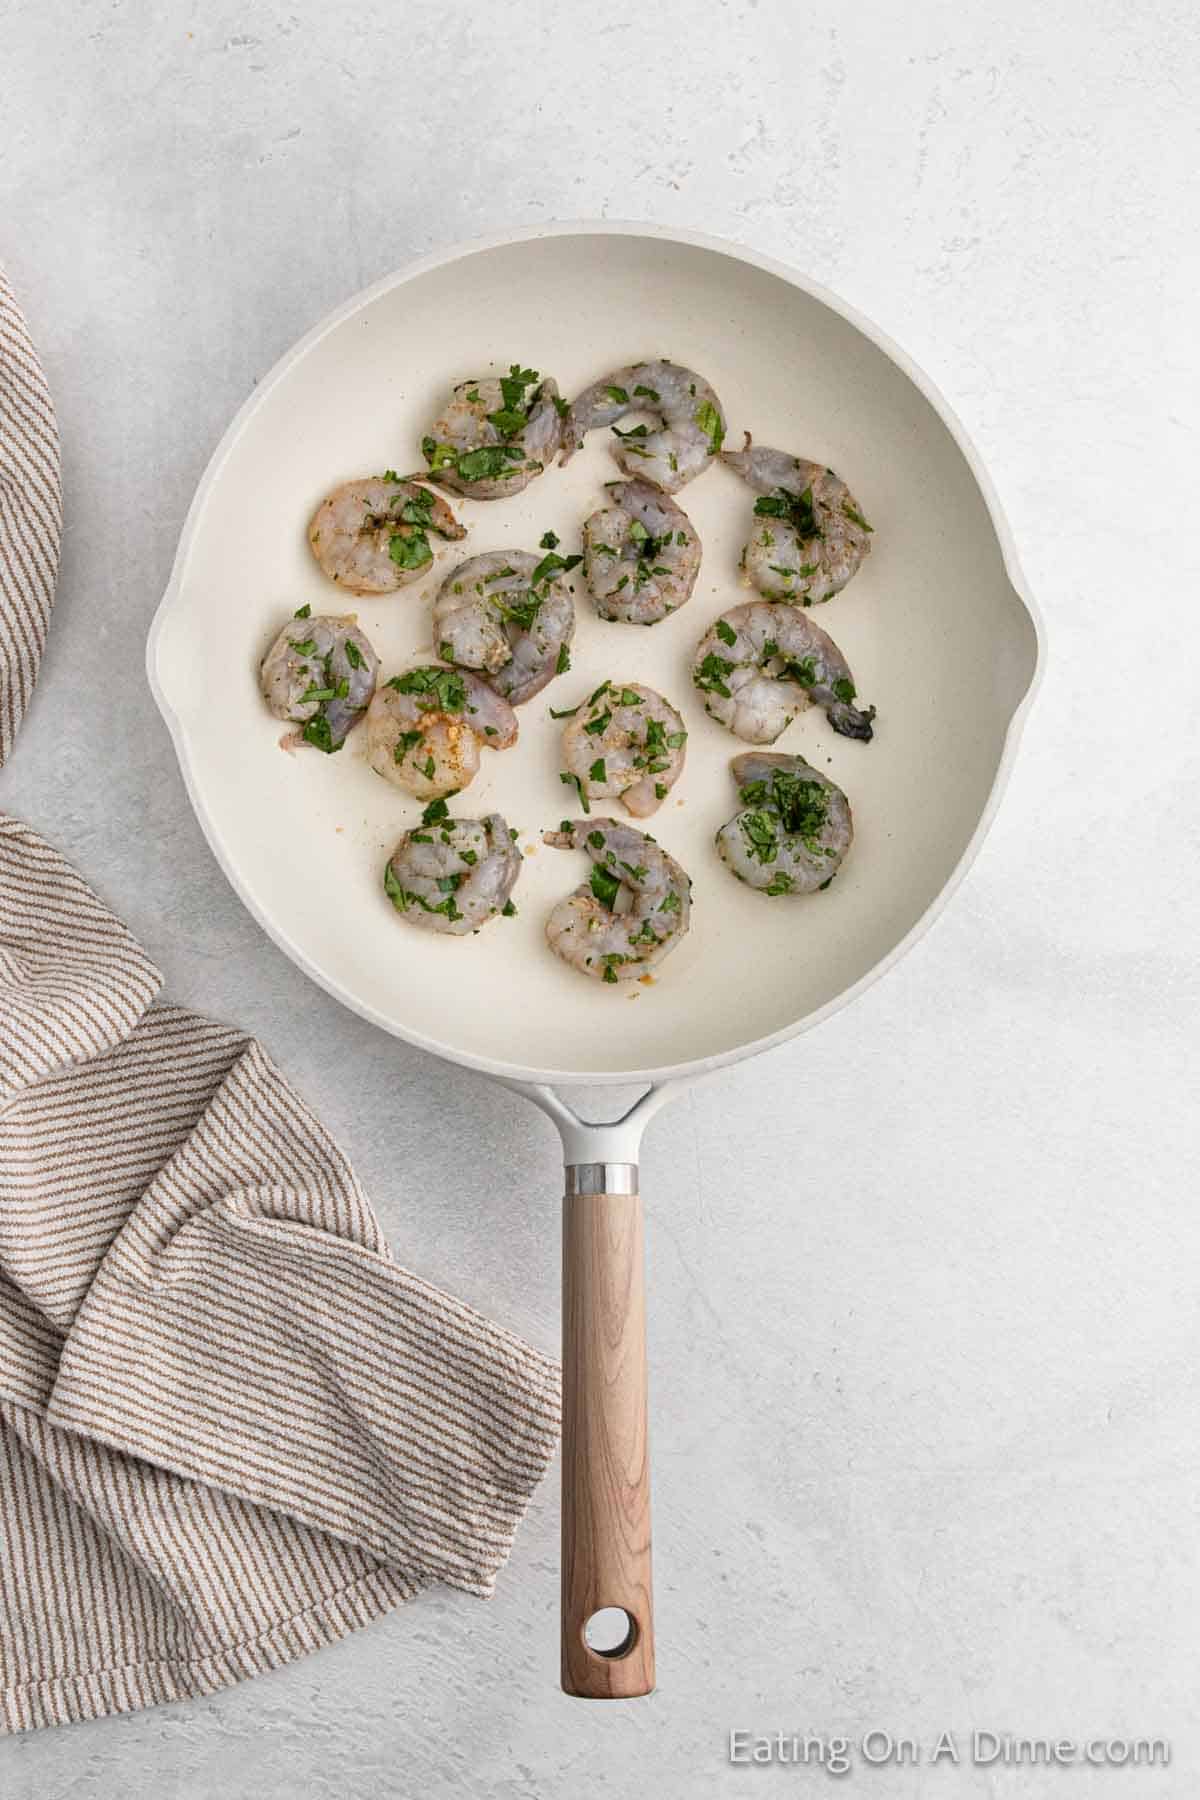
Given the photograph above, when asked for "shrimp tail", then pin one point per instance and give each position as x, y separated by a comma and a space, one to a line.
852, 721
738, 460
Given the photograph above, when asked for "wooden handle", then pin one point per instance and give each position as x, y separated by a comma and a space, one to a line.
606, 1463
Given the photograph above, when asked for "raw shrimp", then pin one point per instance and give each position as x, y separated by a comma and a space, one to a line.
372, 536
425, 729
496, 434
508, 615
625, 740
792, 829
689, 432
453, 875
321, 673
641, 554
633, 911
810, 535
761, 664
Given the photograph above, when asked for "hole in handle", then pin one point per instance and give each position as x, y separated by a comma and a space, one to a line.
611, 1632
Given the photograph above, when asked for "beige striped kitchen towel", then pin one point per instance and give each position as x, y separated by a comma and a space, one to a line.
232, 1428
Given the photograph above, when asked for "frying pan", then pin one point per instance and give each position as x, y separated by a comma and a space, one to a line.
939, 631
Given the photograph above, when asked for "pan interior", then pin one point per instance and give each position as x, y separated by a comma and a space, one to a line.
936, 636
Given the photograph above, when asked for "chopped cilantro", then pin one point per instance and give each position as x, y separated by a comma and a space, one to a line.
409, 549
317, 732
710, 422
606, 887
550, 540
725, 632
711, 675
302, 612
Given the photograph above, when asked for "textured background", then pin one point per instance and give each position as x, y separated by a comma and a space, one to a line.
925, 1285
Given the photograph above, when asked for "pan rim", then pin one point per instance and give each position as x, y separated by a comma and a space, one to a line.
698, 1066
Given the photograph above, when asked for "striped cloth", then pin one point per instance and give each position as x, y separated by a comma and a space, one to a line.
232, 1428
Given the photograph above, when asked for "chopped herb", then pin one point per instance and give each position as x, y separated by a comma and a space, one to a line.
393, 890
410, 549
597, 772
508, 910
391, 475
670, 904
317, 732
446, 651
646, 393
488, 462
638, 532
617, 395
305, 648
564, 660
606, 887
574, 781
711, 675
553, 564
438, 456
779, 883
600, 723
316, 693
660, 792
635, 431
302, 612
441, 688
596, 840
725, 632
676, 740
797, 509
560, 406
844, 690
550, 540
631, 697
567, 712
408, 740
508, 421
354, 655
513, 385
853, 514
710, 422
436, 811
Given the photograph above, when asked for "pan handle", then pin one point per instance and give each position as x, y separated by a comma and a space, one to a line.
605, 1456
605, 1451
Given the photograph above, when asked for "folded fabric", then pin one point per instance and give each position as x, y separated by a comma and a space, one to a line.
232, 1428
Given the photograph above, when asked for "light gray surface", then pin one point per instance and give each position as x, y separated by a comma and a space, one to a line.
925, 1286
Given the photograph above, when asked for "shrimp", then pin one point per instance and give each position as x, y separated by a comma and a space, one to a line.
425, 729
625, 740
320, 672
792, 829
633, 911
453, 875
372, 536
507, 615
496, 435
641, 554
810, 535
761, 664
690, 425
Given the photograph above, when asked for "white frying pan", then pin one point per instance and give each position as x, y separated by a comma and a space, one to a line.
938, 630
